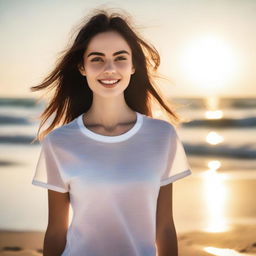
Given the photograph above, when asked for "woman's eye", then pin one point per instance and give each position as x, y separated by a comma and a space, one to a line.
95, 59
121, 58
98, 58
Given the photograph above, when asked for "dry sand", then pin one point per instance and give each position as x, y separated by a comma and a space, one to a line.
241, 239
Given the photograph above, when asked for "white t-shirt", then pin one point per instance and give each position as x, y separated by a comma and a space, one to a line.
113, 182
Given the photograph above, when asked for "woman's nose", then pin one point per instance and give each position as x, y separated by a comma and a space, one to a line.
110, 68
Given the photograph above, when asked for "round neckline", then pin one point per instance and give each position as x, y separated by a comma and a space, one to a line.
111, 139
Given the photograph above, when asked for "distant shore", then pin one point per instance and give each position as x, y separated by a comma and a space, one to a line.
240, 240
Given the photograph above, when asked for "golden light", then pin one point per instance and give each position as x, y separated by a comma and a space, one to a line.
212, 105
223, 252
214, 138
215, 196
216, 114
212, 102
157, 113
210, 63
214, 165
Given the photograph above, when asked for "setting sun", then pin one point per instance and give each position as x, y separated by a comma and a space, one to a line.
210, 63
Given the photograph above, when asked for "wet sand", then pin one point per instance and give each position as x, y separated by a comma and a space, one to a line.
241, 239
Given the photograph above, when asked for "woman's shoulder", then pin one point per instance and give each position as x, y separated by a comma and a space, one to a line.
160, 124
62, 132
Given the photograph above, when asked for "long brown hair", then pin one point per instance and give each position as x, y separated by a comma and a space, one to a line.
71, 93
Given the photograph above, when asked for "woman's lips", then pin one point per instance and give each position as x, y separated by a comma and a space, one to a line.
110, 85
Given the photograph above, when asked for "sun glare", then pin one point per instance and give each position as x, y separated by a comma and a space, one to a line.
215, 194
217, 114
210, 63
214, 138
214, 165
224, 252
212, 106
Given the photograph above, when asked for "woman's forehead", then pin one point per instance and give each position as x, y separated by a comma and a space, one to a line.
108, 43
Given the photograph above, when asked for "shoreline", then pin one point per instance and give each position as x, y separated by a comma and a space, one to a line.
240, 240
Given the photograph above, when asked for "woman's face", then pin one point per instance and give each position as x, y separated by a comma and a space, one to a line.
107, 58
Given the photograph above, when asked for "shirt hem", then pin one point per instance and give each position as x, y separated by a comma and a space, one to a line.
49, 186
175, 177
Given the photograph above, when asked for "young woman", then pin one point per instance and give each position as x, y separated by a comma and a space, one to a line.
110, 159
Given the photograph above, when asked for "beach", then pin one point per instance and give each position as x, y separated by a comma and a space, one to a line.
231, 231
241, 240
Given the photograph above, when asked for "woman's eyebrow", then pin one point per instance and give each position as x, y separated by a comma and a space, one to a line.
102, 54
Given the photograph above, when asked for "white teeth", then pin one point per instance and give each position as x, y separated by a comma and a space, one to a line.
108, 81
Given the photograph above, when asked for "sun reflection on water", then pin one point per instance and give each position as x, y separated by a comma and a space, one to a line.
214, 114
215, 195
214, 138
223, 252
212, 106
214, 165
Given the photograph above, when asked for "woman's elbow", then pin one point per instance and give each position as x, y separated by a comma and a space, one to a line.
54, 242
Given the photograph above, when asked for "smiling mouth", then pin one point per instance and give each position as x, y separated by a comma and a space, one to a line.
110, 82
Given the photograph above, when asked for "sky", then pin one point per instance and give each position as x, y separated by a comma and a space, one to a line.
207, 47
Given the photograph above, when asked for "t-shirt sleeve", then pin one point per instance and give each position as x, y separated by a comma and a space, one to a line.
177, 165
48, 173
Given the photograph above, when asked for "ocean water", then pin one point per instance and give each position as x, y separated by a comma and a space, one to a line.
18, 126
226, 143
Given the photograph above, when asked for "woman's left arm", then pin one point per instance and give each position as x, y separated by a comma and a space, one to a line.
166, 237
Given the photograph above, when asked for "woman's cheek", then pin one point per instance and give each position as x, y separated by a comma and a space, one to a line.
94, 68
123, 65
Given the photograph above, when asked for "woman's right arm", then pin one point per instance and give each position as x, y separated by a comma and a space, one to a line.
58, 222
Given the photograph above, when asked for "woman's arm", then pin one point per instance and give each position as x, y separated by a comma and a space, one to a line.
58, 221
166, 237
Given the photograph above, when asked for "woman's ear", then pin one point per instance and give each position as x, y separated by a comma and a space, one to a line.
133, 70
81, 69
